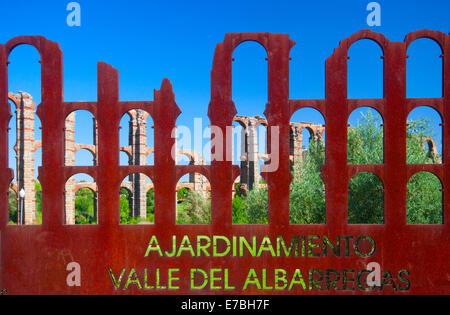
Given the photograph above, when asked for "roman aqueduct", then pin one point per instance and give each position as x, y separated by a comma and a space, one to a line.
138, 152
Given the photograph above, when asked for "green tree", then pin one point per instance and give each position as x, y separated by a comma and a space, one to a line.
84, 206
256, 205
151, 205
307, 197
38, 189
182, 193
195, 209
239, 215
424, 199
12, 206
365, 140
365, 199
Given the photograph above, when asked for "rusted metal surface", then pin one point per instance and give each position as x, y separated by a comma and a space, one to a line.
34, 258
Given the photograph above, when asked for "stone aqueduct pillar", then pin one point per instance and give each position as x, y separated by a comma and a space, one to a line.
253, 159
296, 144
249, 151
138, 143
69, 160
200, 183
25, 151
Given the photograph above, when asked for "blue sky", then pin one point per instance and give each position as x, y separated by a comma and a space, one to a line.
150, 40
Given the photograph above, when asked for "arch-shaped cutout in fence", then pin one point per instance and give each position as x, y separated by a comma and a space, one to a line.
193, 199
424, 69
365, 70
424, 204
80, 200
365, 199
307, 152
136, 137
365, 137
24, 74
307, 197
24, 71
424, 136
250, 78
137, 204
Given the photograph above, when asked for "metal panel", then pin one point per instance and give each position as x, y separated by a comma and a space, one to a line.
34, 258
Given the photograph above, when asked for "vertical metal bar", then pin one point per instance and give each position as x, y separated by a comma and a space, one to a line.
446, 131
5, 114
278, 115
221, 112
395, 135
108, 146
336, 181
52, 118
165, 115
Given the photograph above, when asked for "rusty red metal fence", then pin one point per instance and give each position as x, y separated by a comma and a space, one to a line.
34, 258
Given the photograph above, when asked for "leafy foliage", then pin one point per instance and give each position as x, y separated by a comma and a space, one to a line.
12, 206
125, 212
182, 193
307, 197
84, 207
256, 206
424, 199
239, 215
365, 199
151, 205
365, 140
38, 189
195, 209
